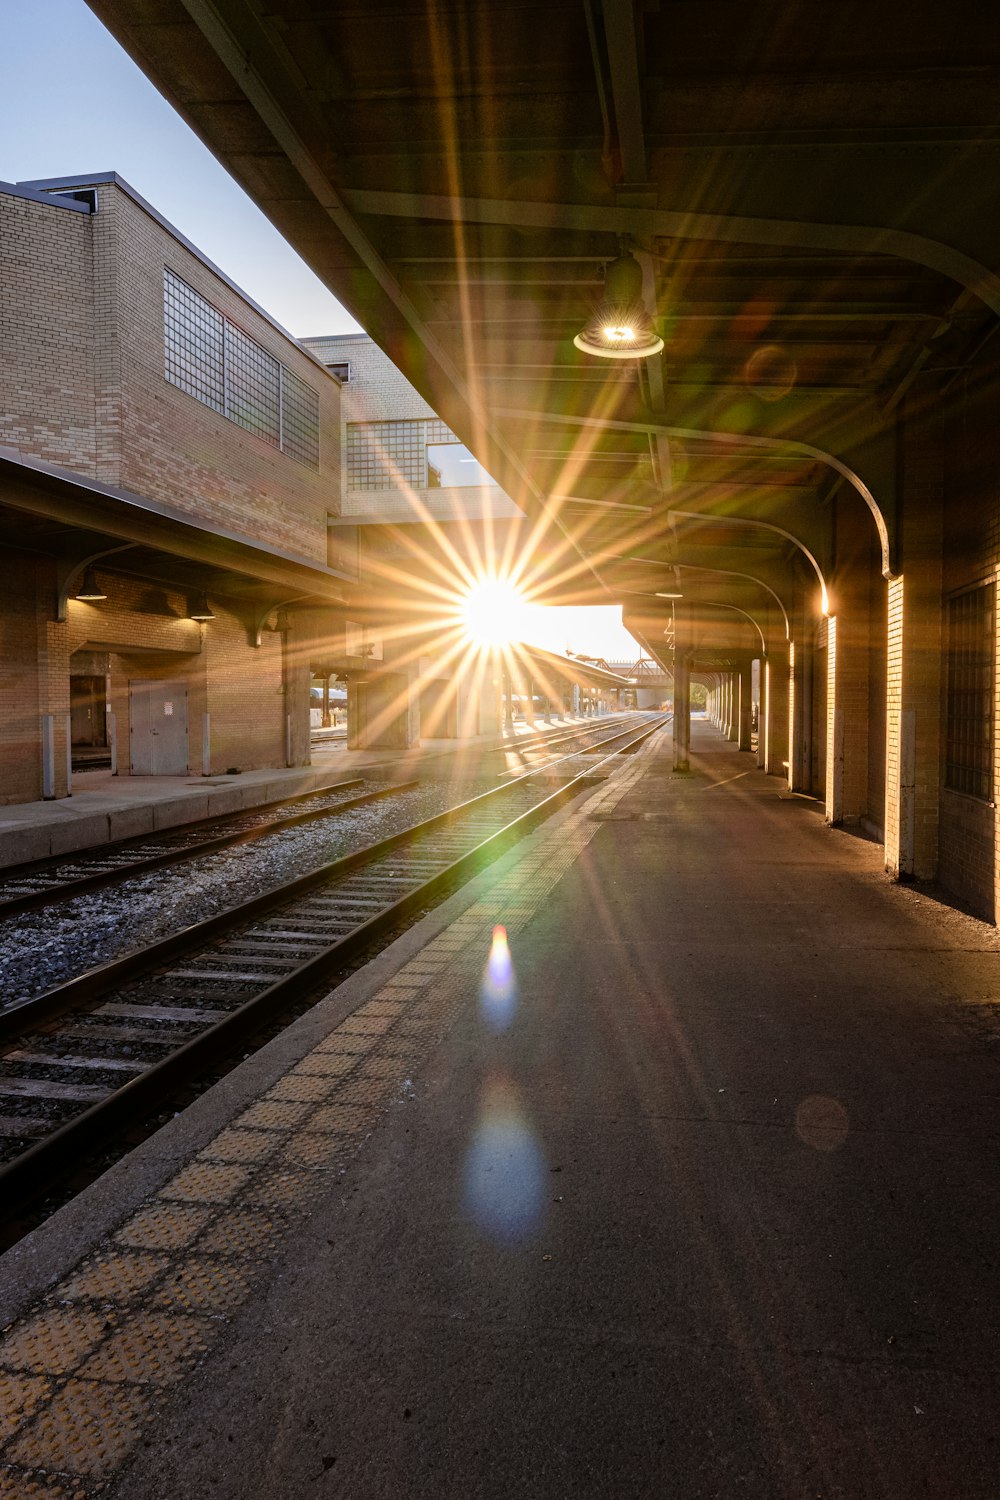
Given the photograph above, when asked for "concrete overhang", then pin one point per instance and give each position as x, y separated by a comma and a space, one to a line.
817, 236
570, 668
75, 516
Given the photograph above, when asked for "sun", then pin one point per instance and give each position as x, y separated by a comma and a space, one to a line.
492, 613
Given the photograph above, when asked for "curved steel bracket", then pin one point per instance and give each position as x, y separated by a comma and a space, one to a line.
790, 445
729, 573
260, 622
647, 224
711, 518
67, 574
716, 604
736, 440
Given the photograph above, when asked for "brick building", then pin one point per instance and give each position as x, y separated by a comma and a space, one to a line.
170, 462
180, 564
419, 519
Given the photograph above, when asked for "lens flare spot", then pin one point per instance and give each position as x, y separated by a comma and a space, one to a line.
770, 372
822, 1122
752, 319
504, 1170
498, 991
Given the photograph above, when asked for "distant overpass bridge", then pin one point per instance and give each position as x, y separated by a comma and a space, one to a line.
651, 683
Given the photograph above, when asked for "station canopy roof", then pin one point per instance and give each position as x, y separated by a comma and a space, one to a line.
806, 193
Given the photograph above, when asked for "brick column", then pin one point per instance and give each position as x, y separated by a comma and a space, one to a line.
798, 744
744, 691
52, 652
762, 717
297, 680
682, 693
775, 718
850, 666
914, 668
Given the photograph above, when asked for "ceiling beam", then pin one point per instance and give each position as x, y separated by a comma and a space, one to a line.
732, 441
235, 57
647, 224
621, 42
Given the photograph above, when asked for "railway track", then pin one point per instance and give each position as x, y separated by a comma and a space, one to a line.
92, 1055
62, 877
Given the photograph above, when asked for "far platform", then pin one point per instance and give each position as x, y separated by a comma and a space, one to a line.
105, 807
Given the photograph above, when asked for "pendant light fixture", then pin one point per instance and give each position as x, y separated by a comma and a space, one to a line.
90, 590
200, 608
621, 326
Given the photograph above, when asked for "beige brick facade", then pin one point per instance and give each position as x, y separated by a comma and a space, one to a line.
83, 388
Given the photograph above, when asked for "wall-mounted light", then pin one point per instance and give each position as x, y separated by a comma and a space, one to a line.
200, 608
90, 590
621, 326
669, 596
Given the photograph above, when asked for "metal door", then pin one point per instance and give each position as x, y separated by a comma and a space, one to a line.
158, 728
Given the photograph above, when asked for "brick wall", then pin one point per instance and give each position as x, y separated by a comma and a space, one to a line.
85, 386
874, 712
894, 809
969, 859
82, 386
21, 704
47, 373
176, 449
378, 392
858, 591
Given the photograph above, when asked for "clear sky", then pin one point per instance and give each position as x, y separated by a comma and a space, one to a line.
73, 103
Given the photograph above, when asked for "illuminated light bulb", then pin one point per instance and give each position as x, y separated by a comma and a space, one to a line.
621, 326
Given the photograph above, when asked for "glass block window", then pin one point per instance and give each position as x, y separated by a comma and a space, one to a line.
193, 342
299, 419
971, 667
386, 455
253, 386
218, 364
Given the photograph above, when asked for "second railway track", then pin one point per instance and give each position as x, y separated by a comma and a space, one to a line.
87, 1058
59, 878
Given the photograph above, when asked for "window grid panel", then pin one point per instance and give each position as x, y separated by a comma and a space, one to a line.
193, 342
386, 455
253, 386
218, 364
971, 651
299, 419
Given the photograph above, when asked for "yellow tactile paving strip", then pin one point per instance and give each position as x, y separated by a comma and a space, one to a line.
82, 1374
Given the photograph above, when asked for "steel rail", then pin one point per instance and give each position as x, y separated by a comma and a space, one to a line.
31, 867
80, 885
30, 1174
66, 890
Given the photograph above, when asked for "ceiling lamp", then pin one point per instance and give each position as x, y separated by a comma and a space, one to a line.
621, 327
90, 590
201, 609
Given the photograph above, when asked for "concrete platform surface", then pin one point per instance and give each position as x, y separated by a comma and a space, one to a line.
705, 1206
105, 807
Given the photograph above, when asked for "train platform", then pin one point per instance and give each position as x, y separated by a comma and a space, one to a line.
688, 1190
105, 807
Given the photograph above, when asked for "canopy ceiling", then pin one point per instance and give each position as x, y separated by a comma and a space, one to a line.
809, 189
